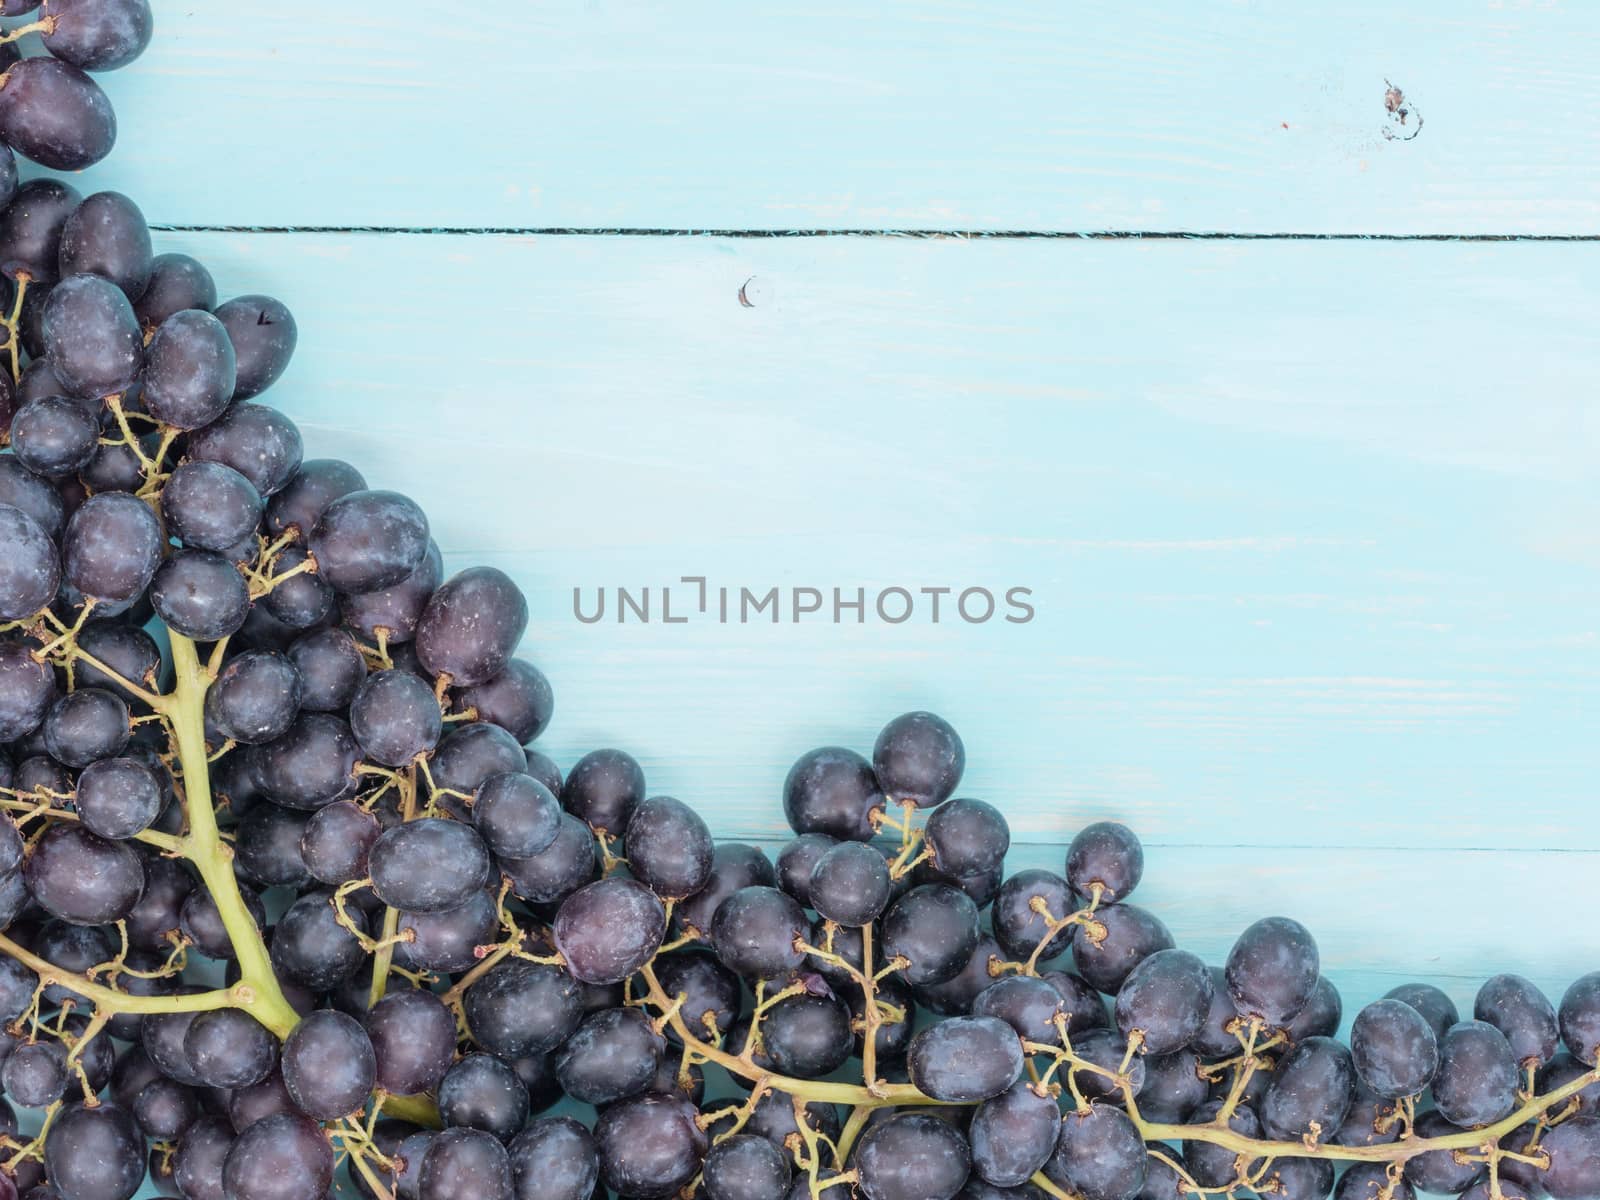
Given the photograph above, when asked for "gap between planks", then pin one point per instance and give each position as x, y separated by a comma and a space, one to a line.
1086, 235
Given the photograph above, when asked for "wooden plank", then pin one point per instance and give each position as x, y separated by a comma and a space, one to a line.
1309, 528
1021, 114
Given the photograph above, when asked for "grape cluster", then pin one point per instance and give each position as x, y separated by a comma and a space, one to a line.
289, 902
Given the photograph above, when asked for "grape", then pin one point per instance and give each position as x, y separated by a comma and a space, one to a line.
482, 1092
35, 1074
1172, 1088
1476, 1082
556, 872
1439, 1170
795, 861
1520, 1011
1028, 1004
209, 506
31, 227
282, 1157
428, 865
248, 1105
317, 483
1165, 999
603, 790
198, 1163
745, 1167
1106, 1048
613, 1054
94, 1153
112, 547
918, 758
518, 699
471, 625
709, 990
833, 791
965, 1059
255, 698
1013, 1135
849, 884
608, 930
200, 595
260, 443
331, 668
734, 865
1132, 935
967, 837
311, 765
1299, 1179
395, 610
53, 113
1108, 856
554, 1159
336, 842
1393, 1048
268, 846
98, 35
1322, 1015
80, 877
189, 372
90, 333
107, 235
809, 1035
1099, 1155
21, 488
112, 468
1311, 1091
1213, 1166
54, 436
165, 1108
366, 541
176, 282
395, 717
329, 1065
27, 688
913, 1156
755, 933
1574, 1151
311, 948
1370, 1181
1272, 971
413, 1039
30, 571
954, 997
1436, 1008
263, 333
228, 1048
1562, 1070
935, 927
649, 1146
86, 725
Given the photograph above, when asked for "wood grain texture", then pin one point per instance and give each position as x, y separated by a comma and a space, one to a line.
1310, 528
1150, 115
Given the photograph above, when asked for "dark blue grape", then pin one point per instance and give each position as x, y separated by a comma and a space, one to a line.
833, 791
80, 877
518, 699
329, 1067
1476, 1082
1518, 1009
850, 884
53, 113
1165, 1000
608, 930
30, 571
259, 442
557, 871
54, 436
1213, 1166
809, 1035
1272, 971
554, 1159
1131, 935
965, 1059
521, 1008
1322, 1015
1105, 856
669, 846
755, 933
209, 506
1099, 1155
86, 725
1436, 1007
365, 541
189, 370
331, 668
118, 797
1393, 1048
311, 948
913, 1156
428, 865
1370, 1181
282, 1157
1310, 1091
1573, 1148
200, 595
1029, 1005
935, 927
35, 1074
1013, 1135
1440, 1171
603, 788
919, 758
255, 698
107, 236
95, 345
1173, 1087
316, 484
21, 488
396, 717
967, 837
267, 846
112, 547
94, 1153
263, 334
336, 841
1298, 1179
98, 35
176, 282
312, 764
228, 1048
613, 1054
395, 611
471, 625
413, 1038
31, 228
796, 860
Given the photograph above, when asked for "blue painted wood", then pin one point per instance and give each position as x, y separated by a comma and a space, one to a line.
1148, 115
1309, 527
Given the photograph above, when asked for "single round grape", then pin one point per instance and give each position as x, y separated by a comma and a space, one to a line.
483, 1092
228, 1048
850, 884
965, 1059
413, 1040
1299, 1179
248, 1105
428, 865
1028, 1004
118, 797
1573, 1148
94, 1153
312, 764
82, 878
1272, 971
30, 571
395, 611
918, 757
107, 236
53, 113
31, 226
934, 927
469, 754
669, 847
311, 948
1393, 1048
1436, 1007
1322, 1015
1173, 1087
202, 1151
112, 547
712, 996
1440, 1171
86, 725
1165, 1000
471, 625
189, 370
568, 863
1370, 1181
27, 689
210, 506
449, 940
1310, 1092
833, 791
1107, 856
519, 699
176, 282
755, 933
1132, 934
98, 35
955, 996
164, 1108
395, 717
263, 333
329, 1066
613, 1054
808, 1036
517, 816
267, 846
54, 436
649, 1146
316, 484
91, 335
734, 865
795, 861
967, 837
255, 698
200, 595
1476, 1082
1013, 1135
912, 1156
1371, 1120
1518, 1009
745, 1167
33, 494
35, 1074
112, 468
259, 442
1211, 1165
608, 930
603, 788
337, 840
365, 541
554, 1159
331, 668
282, 1157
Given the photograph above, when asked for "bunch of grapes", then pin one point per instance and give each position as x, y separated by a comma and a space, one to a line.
286, 896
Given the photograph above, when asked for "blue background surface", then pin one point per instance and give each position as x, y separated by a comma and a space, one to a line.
1311, 525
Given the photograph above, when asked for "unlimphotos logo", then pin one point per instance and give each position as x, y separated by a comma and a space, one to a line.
693, 598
